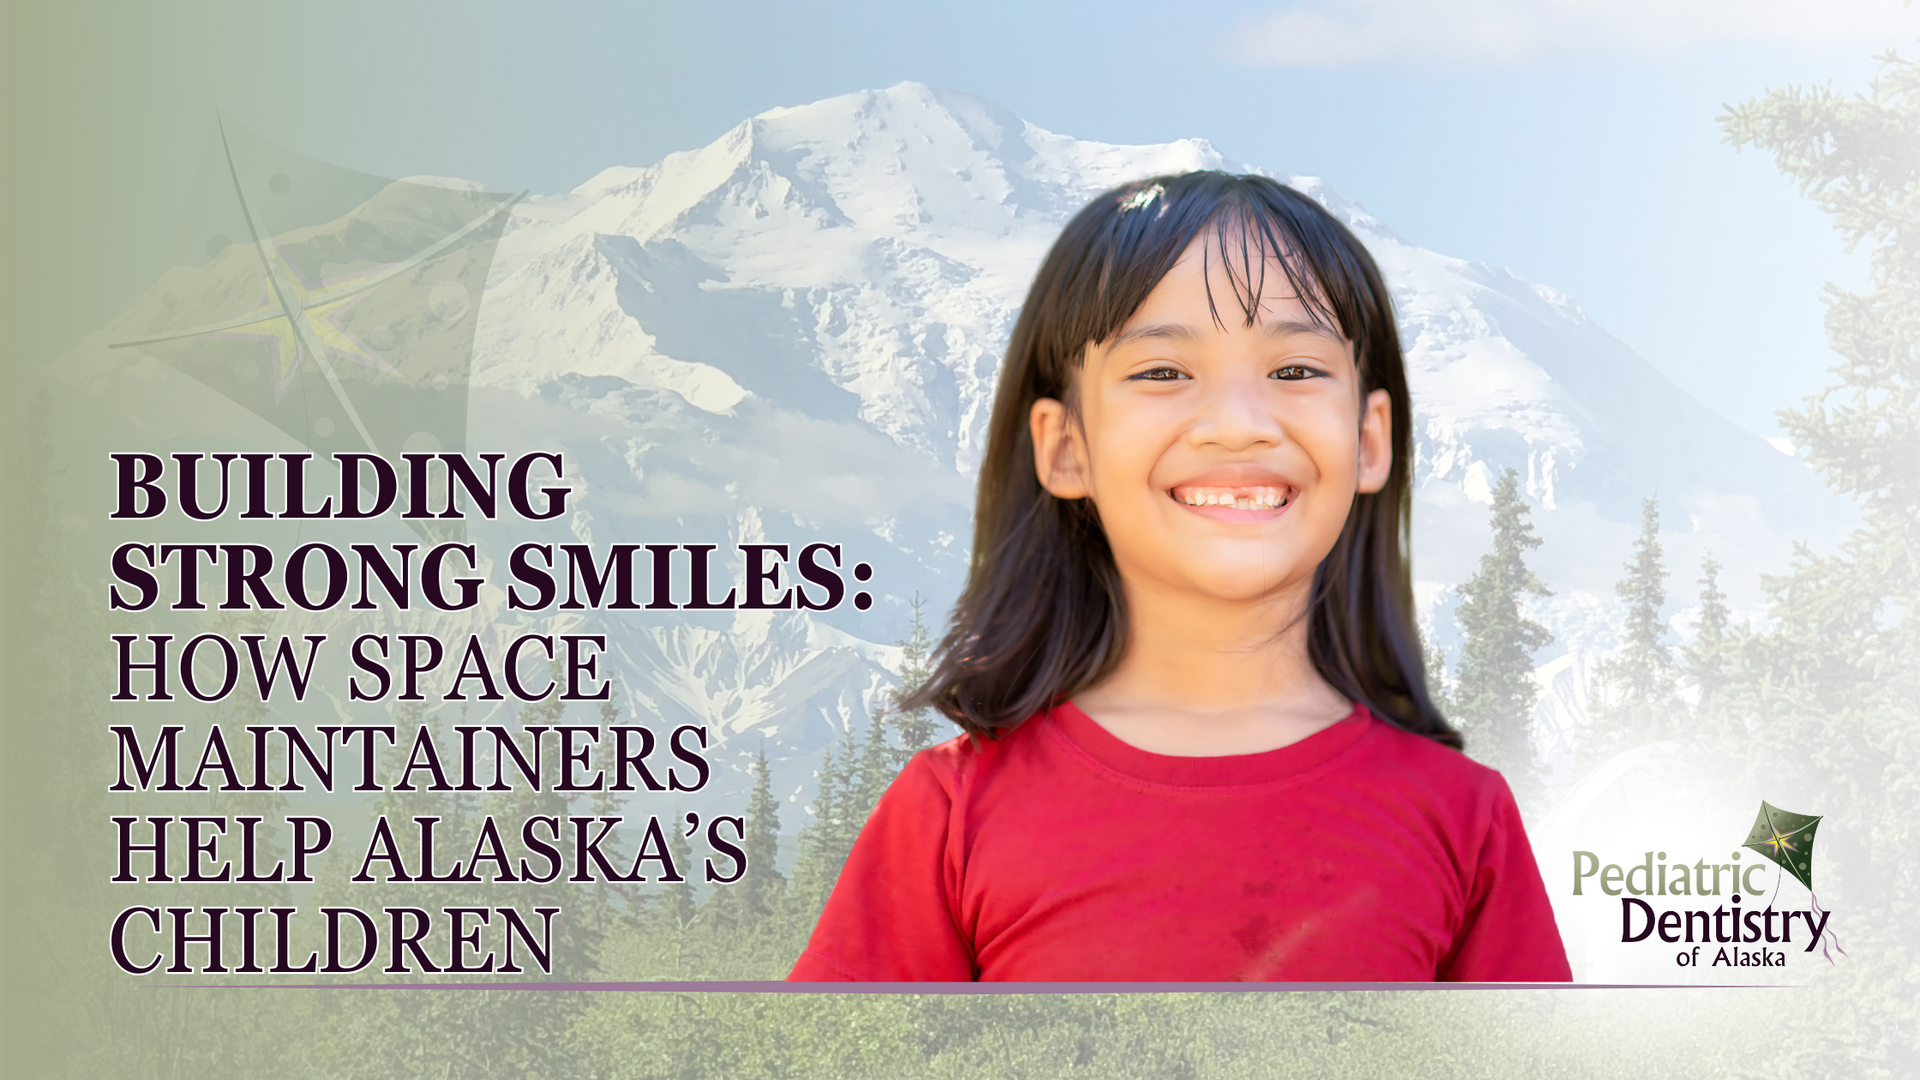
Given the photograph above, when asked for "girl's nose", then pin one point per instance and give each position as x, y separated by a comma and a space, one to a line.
1236, 415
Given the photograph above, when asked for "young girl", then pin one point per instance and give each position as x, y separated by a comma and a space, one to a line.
1198, 745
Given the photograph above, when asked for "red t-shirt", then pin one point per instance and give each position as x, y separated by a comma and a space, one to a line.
1060, 853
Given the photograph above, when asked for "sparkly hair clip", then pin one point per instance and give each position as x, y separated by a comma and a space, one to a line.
1142, 198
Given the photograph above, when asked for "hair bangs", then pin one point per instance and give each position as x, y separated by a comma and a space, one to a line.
1043, 614
1250, 230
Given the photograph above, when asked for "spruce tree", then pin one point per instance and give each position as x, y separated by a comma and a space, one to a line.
607, 803
677, 906
1645, 666
1707, 655
762, 883
820, 860
1494, 691
879, 762
1439, 683
1822, 702
841, 816
917, 728
856, 773
1634, 701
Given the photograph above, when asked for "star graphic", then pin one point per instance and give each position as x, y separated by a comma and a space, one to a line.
1786, 839
1779, 841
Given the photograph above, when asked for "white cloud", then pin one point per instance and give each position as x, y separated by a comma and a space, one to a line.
1355, 33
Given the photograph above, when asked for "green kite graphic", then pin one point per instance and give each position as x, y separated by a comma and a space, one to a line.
337, 306
1787, 839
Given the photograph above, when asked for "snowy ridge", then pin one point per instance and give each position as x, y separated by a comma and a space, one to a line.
795, 331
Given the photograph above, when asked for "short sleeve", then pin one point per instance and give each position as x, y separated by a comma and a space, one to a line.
889, 918
1508, 933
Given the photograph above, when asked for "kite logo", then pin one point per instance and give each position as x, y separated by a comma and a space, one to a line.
1781, 838
1786, 839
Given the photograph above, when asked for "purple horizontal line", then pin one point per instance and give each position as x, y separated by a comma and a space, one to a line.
963, 988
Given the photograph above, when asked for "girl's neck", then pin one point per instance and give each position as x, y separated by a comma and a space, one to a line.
1204, 677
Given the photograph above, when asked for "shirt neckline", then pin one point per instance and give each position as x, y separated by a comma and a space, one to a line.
1265, 766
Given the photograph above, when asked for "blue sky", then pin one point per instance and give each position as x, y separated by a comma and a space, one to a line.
1572, 142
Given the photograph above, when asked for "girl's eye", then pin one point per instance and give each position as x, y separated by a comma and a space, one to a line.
1159, 374
1293, 372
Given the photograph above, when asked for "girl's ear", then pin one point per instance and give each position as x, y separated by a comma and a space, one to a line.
1058, 456
1376, 442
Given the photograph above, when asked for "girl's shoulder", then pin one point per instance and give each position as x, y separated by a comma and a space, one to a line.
963, 764
1426, 752
1435, 768
965, 753
1376, 757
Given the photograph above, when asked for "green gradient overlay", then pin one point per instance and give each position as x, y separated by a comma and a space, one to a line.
106, 113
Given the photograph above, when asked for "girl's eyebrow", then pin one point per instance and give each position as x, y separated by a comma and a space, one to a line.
1183, 332
1154, 331
1289, 327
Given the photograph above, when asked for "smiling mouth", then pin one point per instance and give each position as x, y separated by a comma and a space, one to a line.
1233, 498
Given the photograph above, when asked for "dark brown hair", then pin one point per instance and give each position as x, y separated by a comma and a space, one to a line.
1043, 615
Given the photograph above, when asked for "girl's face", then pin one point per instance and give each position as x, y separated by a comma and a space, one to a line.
1222, 461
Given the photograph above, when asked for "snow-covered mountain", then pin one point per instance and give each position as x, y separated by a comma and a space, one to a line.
793, 333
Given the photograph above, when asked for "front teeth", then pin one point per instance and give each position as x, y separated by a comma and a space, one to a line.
1259, 498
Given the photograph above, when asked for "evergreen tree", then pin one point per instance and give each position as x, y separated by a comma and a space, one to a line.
917, 728
878, 762
762, 883
604, 913
1707, 655
819, 864
1439, 683
855, 774
1822, 703
1645, 666
1495, 692
840, 815
1634, 701
677, 906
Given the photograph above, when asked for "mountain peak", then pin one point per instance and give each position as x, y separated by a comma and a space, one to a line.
860, 260
795, 332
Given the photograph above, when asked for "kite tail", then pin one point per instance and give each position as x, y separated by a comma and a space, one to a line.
1814, 903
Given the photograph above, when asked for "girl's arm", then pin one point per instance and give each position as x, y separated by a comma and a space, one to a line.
1508, 934
890, 918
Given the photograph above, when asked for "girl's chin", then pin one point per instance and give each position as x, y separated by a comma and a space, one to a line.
1233, 582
